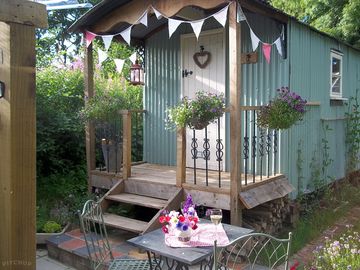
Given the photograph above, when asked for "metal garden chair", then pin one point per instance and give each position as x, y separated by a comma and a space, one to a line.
97, 243
255, 251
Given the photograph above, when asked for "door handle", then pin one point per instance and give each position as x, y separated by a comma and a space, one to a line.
186, 73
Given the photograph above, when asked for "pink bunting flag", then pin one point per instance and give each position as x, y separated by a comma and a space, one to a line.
267, 51
89, 37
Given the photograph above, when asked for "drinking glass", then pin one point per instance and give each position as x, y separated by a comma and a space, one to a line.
216, 216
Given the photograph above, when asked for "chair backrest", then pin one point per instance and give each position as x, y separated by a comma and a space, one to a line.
94, 230
255, 251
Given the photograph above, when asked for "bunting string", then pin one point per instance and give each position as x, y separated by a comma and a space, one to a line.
220, 16
255, 40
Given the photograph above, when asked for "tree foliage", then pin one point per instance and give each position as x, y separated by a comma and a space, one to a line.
339, 18
57, 42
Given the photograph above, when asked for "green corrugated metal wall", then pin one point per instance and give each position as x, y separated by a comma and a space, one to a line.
163, 74
309, 53
306, 70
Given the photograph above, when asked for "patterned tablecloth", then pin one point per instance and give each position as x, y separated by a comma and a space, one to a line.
203, 236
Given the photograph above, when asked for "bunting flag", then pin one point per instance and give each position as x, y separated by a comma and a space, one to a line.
279, 46
221, 16
173, 25
126, 34
240, 16
254, 40
102, 56
107, 41
144, 19
133, 58
157, 13
119, 64
196, 26
267, 51
89, 37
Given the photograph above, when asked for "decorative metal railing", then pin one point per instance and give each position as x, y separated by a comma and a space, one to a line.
205, 152
259, 148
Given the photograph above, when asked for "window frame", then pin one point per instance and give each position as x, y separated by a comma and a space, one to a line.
339, 56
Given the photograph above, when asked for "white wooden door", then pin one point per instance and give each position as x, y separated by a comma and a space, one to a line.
209, 79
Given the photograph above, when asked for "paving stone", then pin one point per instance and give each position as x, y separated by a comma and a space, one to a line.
72, 244
58, 239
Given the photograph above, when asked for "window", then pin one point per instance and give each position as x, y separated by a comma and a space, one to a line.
336, 75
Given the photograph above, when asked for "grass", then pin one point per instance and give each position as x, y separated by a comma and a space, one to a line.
324, 213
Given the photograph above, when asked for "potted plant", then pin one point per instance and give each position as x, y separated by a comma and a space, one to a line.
197, 113
282, 112
102, 110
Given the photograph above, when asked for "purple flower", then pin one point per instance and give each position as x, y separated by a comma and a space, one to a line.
185, 227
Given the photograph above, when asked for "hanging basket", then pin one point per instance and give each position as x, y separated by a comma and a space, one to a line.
198, 124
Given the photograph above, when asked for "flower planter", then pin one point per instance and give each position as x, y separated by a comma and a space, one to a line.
42, 237
198, 125
112, 154
183, 236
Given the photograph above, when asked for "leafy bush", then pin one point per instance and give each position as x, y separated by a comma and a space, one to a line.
343, 253
60, 134
284, 111
52, 227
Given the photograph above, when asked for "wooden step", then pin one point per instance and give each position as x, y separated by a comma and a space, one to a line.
124, 223
138, 200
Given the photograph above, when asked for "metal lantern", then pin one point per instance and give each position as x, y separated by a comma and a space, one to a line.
136, 74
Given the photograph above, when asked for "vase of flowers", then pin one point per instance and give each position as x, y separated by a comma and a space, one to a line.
180, 224
197, 113
283, 112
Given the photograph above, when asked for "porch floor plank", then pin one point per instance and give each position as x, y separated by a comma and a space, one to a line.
167, 175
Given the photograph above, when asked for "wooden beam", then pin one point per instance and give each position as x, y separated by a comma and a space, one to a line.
23, 12
131, 12
89, 128
180, 156
18, 147
126, 145
235, 116
173, 203
266, 192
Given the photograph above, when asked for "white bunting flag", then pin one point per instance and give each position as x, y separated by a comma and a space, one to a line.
119, 64
254, 40
173, 25
221, 16
102, 56
144, 19
107, 41
279, 46
240, 16
133, 58
126, 34
157, 13
196, 26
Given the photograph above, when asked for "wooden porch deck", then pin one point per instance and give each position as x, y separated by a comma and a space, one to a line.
167, 175
160, 182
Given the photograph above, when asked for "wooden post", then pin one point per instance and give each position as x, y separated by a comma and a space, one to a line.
89, 128
180, 156
235, 115
126, 144
18, 20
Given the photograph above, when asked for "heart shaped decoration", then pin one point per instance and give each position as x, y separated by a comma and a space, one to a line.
202, 59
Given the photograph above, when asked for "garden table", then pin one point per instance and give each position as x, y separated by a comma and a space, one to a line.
162, 256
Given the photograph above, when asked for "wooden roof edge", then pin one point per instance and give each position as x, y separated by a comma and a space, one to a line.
23, 12
125, 11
